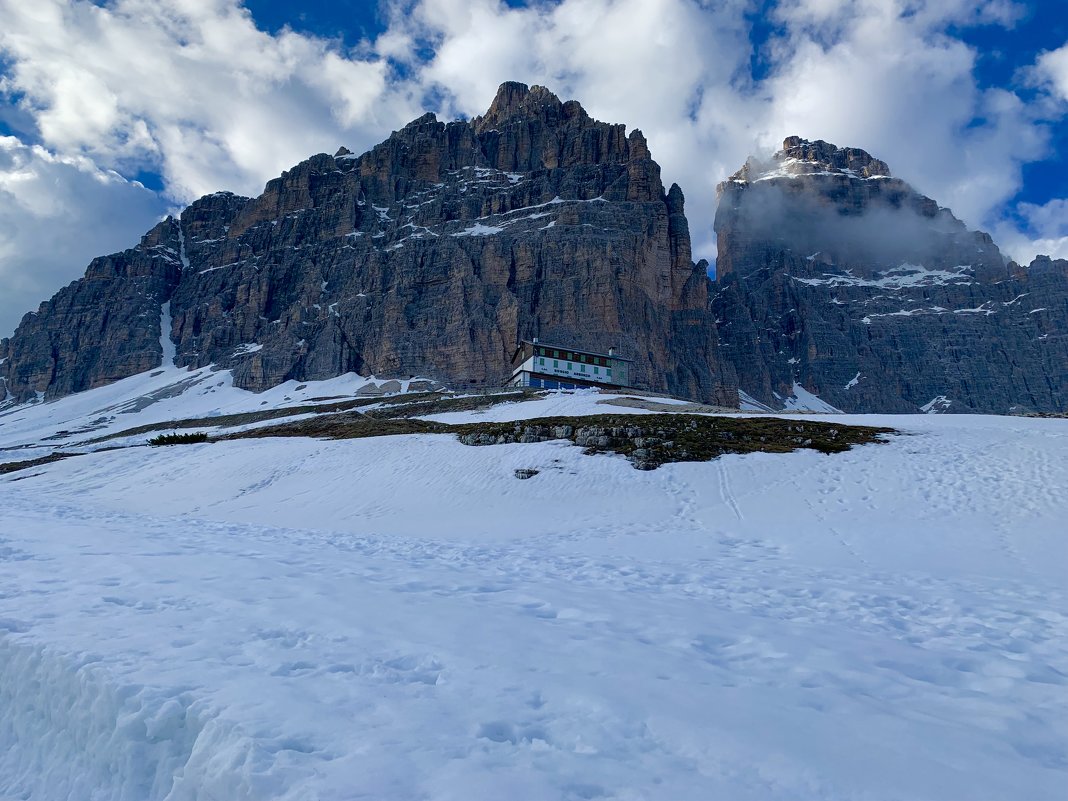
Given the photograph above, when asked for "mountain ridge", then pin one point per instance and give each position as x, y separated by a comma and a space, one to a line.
431, 254
436, 250
839, 278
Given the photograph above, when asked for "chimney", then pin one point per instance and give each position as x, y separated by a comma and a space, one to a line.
611, 351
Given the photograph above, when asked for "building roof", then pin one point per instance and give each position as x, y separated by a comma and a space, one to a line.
571, 348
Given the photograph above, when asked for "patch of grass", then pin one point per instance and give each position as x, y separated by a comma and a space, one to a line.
647, 440
243, 418
14, 467
179, 439
347, 426
655, 439
246, 418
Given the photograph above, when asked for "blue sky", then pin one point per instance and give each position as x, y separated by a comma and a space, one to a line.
115, 112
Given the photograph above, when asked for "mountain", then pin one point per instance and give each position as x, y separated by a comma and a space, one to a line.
836, 279
838, 286
430, 255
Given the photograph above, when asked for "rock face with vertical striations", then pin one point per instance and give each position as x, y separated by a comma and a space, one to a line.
430, 255
435, 252
101, 328
836, 279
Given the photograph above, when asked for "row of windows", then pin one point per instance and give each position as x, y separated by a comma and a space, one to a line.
569, 366
571, 356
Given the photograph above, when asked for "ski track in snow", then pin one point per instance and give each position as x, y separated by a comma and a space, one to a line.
401, 618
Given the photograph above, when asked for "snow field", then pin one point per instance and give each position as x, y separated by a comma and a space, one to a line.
401, 618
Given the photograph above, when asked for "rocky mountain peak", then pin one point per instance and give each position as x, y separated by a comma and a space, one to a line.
850, 160
426, 119
842, 207
432, 254
801, 157
516, 102
838, 280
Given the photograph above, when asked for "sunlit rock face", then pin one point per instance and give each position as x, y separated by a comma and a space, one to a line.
836, 277
433, 254
430, 255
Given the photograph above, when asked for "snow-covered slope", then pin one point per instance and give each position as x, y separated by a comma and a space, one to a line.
401, 618
159, 396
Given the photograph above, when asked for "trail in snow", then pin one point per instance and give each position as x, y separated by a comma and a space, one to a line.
402, 618
725, 490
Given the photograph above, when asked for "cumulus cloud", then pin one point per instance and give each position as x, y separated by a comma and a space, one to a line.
1051, 68
674, 68
895, 84
58, 212
194, 91
1044, 230
883, 75
191, 88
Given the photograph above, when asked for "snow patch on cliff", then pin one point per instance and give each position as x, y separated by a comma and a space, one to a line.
804, 401
166, 343
902, 277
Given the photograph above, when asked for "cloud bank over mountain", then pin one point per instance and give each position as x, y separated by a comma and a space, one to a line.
197, 97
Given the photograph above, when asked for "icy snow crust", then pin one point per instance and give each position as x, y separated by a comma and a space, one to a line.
903, 277
401, 618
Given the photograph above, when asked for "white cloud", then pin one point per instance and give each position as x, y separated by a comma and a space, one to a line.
193, 90
897, 86
669, 67
882, 75
56, 214
1045, 231
1052, 68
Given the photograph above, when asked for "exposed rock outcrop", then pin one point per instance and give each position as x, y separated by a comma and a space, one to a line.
436, 251
839, 279
430, 255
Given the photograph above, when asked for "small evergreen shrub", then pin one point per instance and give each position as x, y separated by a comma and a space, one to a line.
179, 439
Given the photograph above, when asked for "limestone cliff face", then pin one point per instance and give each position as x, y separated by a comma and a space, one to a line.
436, 251
432, 255
837, 277
99, 329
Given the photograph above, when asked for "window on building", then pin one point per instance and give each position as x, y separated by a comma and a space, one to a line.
556, 354
582, 368
609, 372
541, 362
555, 363
596, 370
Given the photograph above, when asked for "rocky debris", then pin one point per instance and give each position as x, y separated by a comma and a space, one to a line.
371, 389
526, 472
841, 280
649, 441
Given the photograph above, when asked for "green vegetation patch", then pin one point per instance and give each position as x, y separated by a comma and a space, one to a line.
649, 441
13, 467
413, 404
179, 439
342, 426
